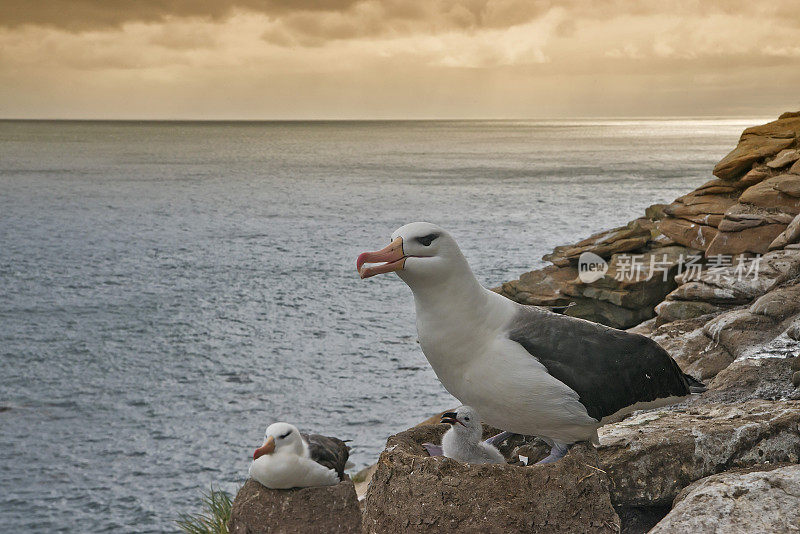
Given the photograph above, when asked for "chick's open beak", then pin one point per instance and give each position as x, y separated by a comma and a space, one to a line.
451, 418
267, 448
392, 255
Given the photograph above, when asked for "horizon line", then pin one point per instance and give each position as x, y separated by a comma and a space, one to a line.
439, 119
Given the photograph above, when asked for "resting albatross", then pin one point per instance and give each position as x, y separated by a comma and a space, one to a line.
525, 369
289, 459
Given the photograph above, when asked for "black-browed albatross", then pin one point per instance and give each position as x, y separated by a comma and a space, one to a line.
525, 369
290, 459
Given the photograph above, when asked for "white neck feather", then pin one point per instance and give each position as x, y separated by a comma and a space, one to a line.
455, 315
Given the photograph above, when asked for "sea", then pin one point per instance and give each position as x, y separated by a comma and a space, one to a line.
168, 289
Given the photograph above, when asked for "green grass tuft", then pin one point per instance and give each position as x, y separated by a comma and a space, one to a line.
213, 519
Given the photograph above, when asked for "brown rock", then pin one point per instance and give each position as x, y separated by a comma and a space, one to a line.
718, 187
755, 144
623, 239
754, 500
701, 207
695, 352
790, 235
687, 233
779, 303
741, 332
655, 212
789, 114
755, 175
739, 283
258, 509
619, 304
796, 379
795, 363
739, 224
784, 158
608, 314
541, 287
788, 185
714, 293
779, 193
646, 328
634, 287
755, 240
759, 216
674, 310
652, 455
705, 347
412, 492
795, 169
751, 378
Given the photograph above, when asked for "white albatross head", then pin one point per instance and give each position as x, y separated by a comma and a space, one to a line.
419, 252
465, 422
280, 439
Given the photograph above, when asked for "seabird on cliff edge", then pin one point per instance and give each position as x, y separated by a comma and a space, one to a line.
462, 441
525, 369
289, 459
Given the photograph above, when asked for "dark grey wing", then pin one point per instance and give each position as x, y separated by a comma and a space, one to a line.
610, 369
330, 452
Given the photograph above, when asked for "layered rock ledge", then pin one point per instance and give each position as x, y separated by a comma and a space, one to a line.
751, 207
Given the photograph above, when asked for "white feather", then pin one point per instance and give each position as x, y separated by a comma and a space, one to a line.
289, 465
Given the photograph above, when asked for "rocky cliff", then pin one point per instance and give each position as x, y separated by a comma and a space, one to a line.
749, 208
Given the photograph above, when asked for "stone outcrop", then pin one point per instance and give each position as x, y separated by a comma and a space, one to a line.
627, 293
730, 312
750, 208
653, 455
260, 510
631, 237
754, 378
756, 195
761, 500
789, 236
413, 492
756, 144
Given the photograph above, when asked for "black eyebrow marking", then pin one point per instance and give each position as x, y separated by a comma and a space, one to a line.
284, 435
427, 240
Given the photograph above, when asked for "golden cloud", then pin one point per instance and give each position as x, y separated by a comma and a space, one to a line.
355, 58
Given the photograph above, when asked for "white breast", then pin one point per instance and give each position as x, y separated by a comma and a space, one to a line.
284, 472
477, 363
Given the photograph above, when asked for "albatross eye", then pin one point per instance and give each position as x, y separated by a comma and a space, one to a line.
425, 241
285, 435
466, 419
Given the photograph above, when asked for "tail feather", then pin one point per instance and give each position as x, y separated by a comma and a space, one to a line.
695, 386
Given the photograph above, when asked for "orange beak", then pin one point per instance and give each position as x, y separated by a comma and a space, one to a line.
392, 255
266, 448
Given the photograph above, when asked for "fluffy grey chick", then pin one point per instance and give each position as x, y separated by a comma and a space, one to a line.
463, 441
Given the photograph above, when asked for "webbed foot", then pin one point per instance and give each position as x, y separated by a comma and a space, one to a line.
433, 450
558, 451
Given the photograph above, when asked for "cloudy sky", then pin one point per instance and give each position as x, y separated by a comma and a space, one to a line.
272, 59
